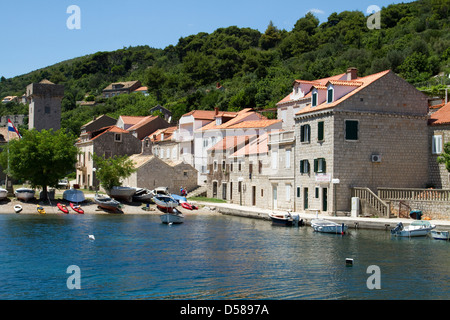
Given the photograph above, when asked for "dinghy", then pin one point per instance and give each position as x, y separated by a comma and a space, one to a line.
62, 207
106, 202
17, 208
76, 208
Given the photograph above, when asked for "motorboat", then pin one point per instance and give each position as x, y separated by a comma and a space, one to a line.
3, 193
106, 202
18, 208
24, 194
62, 207
175, 217
419, 228
122, 193
161, 190
165, 202
440, 235
285, 219
74, 195
327, 226
76, 208
143, 195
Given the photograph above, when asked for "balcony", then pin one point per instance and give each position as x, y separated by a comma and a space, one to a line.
283, 137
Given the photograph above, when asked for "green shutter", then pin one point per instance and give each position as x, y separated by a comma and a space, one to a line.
330, 95
314, 99
324, 165
301, 166
320, 130
302, 134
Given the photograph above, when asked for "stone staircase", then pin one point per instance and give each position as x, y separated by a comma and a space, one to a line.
199, 192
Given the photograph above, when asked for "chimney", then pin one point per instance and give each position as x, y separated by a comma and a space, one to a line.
216, 109
352, 74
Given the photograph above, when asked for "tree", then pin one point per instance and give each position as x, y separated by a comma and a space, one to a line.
445, 156
110, 171
41, 157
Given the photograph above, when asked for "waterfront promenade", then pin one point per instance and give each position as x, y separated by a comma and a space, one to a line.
352, 222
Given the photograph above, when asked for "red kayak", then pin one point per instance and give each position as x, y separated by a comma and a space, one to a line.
76, 208
62, 207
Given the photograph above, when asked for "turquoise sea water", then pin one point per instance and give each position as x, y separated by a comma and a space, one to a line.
210, 257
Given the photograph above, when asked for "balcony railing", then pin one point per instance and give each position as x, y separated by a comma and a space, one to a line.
281, 137
413, 194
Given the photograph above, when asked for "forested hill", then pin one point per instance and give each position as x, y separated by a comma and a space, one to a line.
255, 69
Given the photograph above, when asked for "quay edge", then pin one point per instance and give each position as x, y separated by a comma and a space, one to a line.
352, 222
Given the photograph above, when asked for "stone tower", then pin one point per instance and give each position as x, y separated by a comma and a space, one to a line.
45, 105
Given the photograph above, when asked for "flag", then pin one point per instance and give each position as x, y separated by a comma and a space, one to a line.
12, 128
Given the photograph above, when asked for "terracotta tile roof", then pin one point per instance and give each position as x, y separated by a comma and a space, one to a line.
201, 114
255, 124
132, 120
440, 117
142, 122
114, 129
238, 117
125, 85
168, 133
365, 82
351, 83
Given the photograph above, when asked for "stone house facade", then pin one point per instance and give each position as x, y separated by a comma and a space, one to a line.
117, 88
371, 133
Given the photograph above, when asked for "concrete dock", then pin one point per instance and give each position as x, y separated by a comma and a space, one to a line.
352, 222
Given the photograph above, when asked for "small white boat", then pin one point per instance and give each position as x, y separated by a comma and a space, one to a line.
440, 235
17, 208
73, 195
326, 226
165, 202
106, 202
24, 194
417, 228
161, 190
143, 195
122, 193
285, 219
174, 217
3, 193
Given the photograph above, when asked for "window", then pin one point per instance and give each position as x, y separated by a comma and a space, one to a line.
319, 165
288, 158
298, 192
330, 92
223, 165
314, 99
274, 159
118, 137
304, 166
215, 165
436, 147
288, 192
239, 165
320, 131
316, 193
305, 131
351, 129
283, 115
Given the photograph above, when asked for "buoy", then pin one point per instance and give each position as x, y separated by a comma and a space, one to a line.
91, 237
348, 262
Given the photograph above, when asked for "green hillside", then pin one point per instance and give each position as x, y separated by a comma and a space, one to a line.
255, 69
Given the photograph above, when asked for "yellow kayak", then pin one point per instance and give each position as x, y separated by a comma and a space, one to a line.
40, 209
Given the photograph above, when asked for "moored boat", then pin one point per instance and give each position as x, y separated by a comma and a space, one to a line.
285, 219
73, 195
106, 202
417, 228
175, 217
327, 226
122, 193
24, 194
440, 235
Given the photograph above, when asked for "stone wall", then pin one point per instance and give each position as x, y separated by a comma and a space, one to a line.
439, 177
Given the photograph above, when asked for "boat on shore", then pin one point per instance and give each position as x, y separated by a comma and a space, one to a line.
62, 207
76, 208
3, 193
143, 195
419, 228
74, 195
183, 202
161, 190
327, 226
106, 202
285, 219
165, 202
122, 193
40, 209
440, 235
24, 194
18, 208
175, 217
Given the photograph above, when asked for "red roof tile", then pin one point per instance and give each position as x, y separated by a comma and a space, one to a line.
440, 117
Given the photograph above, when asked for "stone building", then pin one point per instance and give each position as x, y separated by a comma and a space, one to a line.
45, 105
439, 135
117, 88
108, 142
358, 132
163, 144
98, 123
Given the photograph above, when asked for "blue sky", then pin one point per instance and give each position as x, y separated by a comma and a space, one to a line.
34, 33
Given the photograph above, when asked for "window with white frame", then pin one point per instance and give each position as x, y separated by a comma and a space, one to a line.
288, 158
288, 192
436, 144
274, 159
